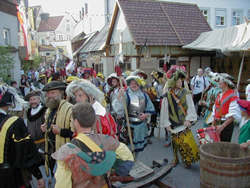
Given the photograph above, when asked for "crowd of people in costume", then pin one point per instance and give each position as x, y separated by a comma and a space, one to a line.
86, 130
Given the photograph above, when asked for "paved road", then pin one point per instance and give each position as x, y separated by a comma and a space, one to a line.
179, 177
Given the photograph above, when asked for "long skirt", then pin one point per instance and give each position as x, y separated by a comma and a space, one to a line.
140, 135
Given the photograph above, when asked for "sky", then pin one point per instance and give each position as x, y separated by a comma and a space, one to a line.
58, 7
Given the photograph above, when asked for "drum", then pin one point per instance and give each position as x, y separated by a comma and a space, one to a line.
208, 135
185, 143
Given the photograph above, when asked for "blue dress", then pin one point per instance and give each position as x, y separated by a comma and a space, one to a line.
140, 131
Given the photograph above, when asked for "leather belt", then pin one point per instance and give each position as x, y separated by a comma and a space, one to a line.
39, 141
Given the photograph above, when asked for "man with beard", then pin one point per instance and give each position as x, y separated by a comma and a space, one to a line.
35, 118
18, 154
57, 118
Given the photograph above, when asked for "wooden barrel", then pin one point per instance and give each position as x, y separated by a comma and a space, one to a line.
224, 164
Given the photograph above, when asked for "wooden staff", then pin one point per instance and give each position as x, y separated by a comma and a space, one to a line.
127, 120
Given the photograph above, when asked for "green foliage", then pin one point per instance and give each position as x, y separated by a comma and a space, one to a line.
34, 64
6, 63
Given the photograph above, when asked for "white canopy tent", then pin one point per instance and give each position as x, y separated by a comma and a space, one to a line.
231, 39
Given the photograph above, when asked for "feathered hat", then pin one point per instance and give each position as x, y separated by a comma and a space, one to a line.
87, 87
173, 69
9, 96
138, 80
228, 79
171, 82
140, 73
112, 76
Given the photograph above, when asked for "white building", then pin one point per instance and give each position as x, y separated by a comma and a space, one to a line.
222, 13
96, 13
9, 35
56, 31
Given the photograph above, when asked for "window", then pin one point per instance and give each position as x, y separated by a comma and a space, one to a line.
6, 36
220, 16
205, 12
237, 16
248, 14
86, 8
42, 41
60, 37
68, 28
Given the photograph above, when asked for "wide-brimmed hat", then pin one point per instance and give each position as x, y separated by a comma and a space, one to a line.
140, 73
87, 87
138, 80
6, 99
53, 85
228, 79
32, 94
72, 78
244, 105
112, 76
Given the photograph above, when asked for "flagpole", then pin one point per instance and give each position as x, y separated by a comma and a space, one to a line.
240, 71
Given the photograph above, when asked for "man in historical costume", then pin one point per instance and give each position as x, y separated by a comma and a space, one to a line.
76, 160
113, 82
18, 154
226, 110
35, 118
84, 91
139, 108
155, 92
209, 97
177, 114
57, 118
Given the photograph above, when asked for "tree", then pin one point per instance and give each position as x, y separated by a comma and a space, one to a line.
6, 63
34, 64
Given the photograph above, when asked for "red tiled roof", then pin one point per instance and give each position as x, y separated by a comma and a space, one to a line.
163, 23
50, 24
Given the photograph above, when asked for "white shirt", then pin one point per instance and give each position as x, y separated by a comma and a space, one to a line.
248, 92
198, 84
36, 110
164, 117
99, 109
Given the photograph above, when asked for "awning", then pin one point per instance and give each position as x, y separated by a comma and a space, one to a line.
231, 39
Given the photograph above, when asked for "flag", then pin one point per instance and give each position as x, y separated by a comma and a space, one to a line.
21, 16
118, 69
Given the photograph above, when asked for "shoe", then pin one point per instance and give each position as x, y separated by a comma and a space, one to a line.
175, 163
167, 145
149, 141
187, 166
